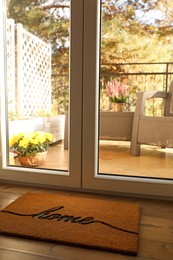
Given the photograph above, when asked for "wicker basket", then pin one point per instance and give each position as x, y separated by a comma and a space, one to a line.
34, 160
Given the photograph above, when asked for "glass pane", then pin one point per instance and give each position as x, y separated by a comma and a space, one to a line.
136, 134
37, 82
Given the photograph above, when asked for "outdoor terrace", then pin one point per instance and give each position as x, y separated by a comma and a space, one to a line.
115, 158
114, 155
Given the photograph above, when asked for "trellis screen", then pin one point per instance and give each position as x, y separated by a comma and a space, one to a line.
28, 73
33, 74
11, 67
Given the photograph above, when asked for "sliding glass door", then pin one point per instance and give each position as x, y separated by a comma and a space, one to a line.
41, 98
78, 75
117, 67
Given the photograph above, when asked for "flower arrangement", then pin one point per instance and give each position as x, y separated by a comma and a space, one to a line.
117, 92
29, 144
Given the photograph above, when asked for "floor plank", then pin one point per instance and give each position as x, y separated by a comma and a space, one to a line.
155, 240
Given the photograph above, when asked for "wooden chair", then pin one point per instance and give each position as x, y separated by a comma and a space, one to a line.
152, 130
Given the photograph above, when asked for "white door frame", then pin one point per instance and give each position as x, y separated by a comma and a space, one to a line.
39, 176
90, 178
84, 70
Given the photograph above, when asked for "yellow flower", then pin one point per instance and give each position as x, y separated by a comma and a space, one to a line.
19, 135
35, 134
41, 138
49, 137
34, 141
31, 142
15, 138
24, 143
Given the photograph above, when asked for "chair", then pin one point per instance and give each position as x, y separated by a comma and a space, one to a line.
151, 130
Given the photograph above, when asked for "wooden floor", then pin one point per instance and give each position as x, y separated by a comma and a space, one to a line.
155, 239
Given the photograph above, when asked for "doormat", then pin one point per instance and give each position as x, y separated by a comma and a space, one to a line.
92, 223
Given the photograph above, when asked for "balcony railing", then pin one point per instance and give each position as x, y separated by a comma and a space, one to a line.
139, 77
158, 75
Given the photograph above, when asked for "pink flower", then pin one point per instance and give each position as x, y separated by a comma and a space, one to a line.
117, 92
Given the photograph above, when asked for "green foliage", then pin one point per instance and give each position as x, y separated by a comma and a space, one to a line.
127, 36
129, 33
127, 39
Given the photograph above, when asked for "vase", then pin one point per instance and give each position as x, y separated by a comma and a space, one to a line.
118, 107
33, 160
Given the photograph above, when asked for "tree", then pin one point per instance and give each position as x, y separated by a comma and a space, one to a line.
128, 36
135, 31
131, 31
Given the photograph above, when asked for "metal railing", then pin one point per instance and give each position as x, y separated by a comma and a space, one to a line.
139, 77
158, 75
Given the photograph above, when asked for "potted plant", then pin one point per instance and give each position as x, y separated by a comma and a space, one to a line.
117, 93
31, 147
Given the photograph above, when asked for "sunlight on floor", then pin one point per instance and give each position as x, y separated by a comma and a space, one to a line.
154, 162
115, 158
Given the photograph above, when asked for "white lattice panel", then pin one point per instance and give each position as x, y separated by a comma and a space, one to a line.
10, 72
34, 74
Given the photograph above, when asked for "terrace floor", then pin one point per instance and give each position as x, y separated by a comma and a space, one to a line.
115, 158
